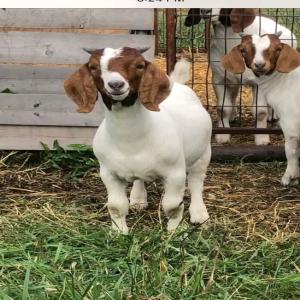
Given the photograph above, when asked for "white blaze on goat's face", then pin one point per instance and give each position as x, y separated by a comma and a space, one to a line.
116, 86
261, 44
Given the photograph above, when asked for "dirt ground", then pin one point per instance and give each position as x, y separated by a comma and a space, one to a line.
249, 194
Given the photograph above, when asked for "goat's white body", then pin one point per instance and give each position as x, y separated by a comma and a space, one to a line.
282, 92
222, 42
135, 144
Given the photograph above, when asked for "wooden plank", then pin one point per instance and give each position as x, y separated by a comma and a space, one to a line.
30, 137
25, 71
62, 47
28, 79
33, 86
26, 109
116, 18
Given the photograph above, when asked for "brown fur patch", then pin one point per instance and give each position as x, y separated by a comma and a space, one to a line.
241, 18
288, 60
151, 84
154, 87
81, 88
247, 50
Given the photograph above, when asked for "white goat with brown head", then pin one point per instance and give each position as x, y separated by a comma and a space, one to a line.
153, 128
276, 67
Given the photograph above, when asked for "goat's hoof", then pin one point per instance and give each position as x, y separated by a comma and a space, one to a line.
138, 205
262, 140
222, 138
173, 224
120, 229
198, 216
289, 180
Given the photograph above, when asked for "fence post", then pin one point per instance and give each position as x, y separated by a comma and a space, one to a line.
156, 30
171, 38
207, 35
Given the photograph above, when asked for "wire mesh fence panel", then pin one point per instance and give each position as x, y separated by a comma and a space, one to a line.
236, 103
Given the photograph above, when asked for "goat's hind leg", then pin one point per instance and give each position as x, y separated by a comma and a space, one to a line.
196, 176
292, 152
226, 96
138, 195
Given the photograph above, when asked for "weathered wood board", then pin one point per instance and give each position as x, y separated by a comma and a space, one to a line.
63, 47
116, 18
30, 137
45, 109
39, 49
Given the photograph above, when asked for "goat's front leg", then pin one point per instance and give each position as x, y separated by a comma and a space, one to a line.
196, 176
117, 202
138, 195
172, 201
292, 152
260, 112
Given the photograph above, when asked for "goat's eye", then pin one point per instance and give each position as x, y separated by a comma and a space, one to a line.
140, 66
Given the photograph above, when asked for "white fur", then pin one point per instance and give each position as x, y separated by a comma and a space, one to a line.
134, 144
108, 76
260, 44
181, 73
219, 47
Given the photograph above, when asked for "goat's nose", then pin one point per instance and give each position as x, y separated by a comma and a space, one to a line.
116, 84
259, 65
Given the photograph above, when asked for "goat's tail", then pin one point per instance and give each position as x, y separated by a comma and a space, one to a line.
181, 72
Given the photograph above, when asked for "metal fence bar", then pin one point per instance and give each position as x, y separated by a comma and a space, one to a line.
171, 38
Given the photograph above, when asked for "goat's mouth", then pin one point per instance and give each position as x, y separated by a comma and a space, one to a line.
260, 72
117, 96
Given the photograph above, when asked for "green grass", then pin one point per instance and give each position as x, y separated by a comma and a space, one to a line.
56, 241
59, 253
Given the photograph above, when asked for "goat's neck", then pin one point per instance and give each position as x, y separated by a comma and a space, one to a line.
279, 83
271, 81
128, 123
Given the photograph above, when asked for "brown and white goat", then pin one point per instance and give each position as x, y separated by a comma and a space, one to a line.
276, 67
154, 127
227, 24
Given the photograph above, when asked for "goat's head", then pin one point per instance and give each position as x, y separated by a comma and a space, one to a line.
237, 18
121, 76
262, 54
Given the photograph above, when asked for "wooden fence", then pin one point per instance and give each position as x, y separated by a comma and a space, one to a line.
39, 48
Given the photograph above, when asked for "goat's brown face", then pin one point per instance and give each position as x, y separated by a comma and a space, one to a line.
262, 54
123, 76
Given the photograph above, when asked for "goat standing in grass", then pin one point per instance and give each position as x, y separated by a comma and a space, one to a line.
154, 127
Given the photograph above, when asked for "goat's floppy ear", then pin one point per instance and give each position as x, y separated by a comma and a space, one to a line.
240, 18
81, 88
233, 61
154, 87
288, 60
